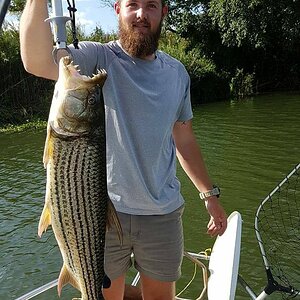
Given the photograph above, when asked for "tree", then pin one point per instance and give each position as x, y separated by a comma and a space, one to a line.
270, 30
258, 23
262, 37
9, 44
17, 6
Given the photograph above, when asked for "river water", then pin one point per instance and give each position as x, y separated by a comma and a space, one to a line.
249, 146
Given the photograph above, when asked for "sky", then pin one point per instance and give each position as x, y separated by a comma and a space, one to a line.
92, 13
89, 14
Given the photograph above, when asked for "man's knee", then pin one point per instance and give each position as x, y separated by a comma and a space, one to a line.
153, 289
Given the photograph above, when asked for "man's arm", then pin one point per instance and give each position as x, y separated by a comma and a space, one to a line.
36, 40
190, 158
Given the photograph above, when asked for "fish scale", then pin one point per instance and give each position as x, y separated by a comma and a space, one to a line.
78, 226
77, 203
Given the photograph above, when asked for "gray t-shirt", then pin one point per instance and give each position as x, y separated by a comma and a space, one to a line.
143, 100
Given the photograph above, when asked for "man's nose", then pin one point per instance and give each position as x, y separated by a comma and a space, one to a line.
141, 13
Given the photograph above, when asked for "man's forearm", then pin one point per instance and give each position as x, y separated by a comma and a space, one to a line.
189, 155
194, 166
36, 40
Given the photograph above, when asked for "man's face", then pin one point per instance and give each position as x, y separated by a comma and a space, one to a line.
140, 24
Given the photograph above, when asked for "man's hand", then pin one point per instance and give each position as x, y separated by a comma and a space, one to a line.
218, 218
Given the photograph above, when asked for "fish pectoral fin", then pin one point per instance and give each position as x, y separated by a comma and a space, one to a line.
48, 148
45, 219
113, 220
64, 278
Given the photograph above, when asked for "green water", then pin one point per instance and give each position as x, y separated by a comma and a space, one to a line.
248, 146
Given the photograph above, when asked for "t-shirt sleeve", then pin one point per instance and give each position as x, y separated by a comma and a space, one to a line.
185, 112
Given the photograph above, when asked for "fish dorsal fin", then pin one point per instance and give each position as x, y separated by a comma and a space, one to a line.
113, 220
64, 278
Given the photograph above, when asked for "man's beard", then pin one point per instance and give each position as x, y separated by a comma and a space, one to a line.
138, 44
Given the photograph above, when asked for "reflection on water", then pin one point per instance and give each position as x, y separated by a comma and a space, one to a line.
249, 147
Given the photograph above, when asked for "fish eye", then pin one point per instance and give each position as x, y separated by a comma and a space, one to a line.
92, 100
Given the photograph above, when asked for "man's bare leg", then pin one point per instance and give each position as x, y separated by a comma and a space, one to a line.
132, 292
157, 290
116, 290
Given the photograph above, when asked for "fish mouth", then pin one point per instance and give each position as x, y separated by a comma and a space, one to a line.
72, 72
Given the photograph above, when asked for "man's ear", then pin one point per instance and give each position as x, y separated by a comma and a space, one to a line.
165, 11
117, 7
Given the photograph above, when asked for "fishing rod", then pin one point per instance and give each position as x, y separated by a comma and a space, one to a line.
4, 4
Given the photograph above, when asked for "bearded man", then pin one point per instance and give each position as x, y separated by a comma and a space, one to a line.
148, 122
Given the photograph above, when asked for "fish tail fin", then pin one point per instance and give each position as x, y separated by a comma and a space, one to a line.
113, 220
45, 219
64, 278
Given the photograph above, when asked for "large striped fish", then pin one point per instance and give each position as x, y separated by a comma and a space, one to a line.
77, 203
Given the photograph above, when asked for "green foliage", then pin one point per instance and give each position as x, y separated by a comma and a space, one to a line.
241, 84
27, 126
226, 46
258, 23
179, 48
17, 6
206, 83
231, 18
255, 35
23, 97
9, 44
98, 35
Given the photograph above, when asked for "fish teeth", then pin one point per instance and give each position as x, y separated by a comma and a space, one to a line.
101, 71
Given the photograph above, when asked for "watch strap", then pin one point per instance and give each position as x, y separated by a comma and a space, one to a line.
214, 192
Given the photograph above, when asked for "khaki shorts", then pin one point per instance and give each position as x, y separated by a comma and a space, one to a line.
156, 242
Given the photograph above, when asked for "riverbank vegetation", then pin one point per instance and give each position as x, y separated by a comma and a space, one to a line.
32, 125
230, 48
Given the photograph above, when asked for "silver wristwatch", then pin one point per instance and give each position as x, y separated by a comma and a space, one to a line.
214, 192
